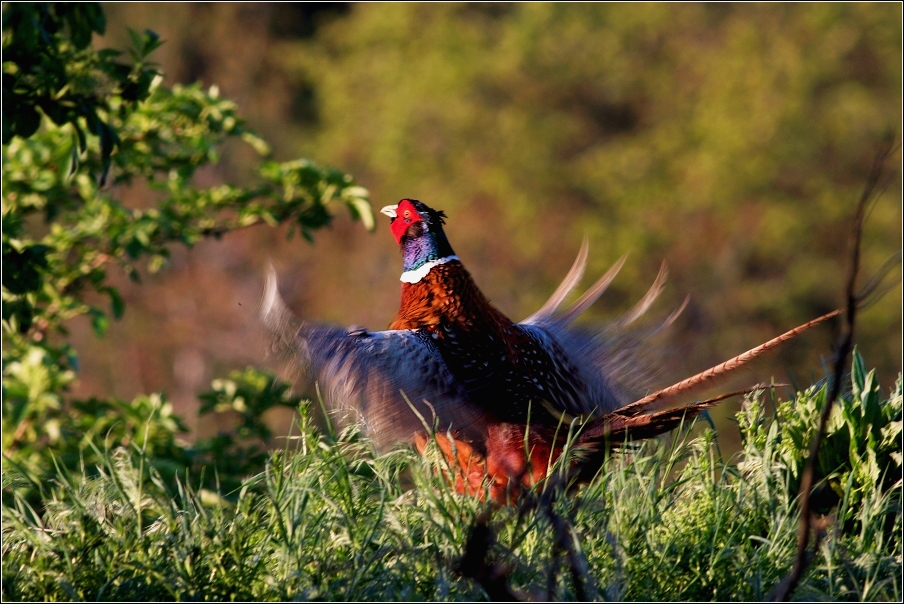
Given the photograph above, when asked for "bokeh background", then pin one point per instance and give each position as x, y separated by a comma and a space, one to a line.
730, 140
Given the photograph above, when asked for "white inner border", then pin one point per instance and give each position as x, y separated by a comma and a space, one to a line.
421, 272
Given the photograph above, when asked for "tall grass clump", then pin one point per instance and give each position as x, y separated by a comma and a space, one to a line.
328, 518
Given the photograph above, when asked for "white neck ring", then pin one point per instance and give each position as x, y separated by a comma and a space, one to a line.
419, 273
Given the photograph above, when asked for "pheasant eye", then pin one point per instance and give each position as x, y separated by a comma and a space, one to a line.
407, 215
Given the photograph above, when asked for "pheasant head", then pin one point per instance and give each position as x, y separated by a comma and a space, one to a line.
419, 230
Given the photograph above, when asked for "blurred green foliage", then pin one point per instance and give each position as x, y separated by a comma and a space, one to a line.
242, 452
62, 228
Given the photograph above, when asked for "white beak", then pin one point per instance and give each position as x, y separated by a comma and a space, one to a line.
389, 210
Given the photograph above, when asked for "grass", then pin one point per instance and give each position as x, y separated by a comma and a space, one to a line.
329, 519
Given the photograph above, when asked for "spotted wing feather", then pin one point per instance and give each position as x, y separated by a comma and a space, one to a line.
576, 386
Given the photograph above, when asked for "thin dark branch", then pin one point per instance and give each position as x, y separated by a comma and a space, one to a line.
476, 564
228, 227
565, 539
786, 587
577, 563
874, 288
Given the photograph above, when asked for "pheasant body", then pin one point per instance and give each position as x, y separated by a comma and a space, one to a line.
452, 364
511, 370
494, 394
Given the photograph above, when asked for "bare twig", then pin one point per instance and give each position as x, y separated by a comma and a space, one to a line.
567, 541
787, 586
875, 288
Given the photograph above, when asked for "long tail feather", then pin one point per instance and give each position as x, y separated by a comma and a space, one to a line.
653, 401
617, 426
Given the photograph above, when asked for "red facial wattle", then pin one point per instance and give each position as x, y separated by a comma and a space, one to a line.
406, 215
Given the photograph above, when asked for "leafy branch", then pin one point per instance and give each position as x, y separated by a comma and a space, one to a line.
79, 126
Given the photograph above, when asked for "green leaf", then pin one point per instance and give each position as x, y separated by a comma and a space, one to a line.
150, 42
361, 209
258, 144
116, 303
22, 269
858, 373
25, 121
99, 322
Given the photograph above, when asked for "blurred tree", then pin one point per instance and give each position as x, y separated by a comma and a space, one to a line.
74, 115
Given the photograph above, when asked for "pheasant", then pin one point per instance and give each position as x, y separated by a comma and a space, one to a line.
493, 393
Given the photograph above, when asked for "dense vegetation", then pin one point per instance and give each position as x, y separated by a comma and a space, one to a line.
106, 498
327, 519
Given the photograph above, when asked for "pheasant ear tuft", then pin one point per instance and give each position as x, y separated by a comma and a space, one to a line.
441, 216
